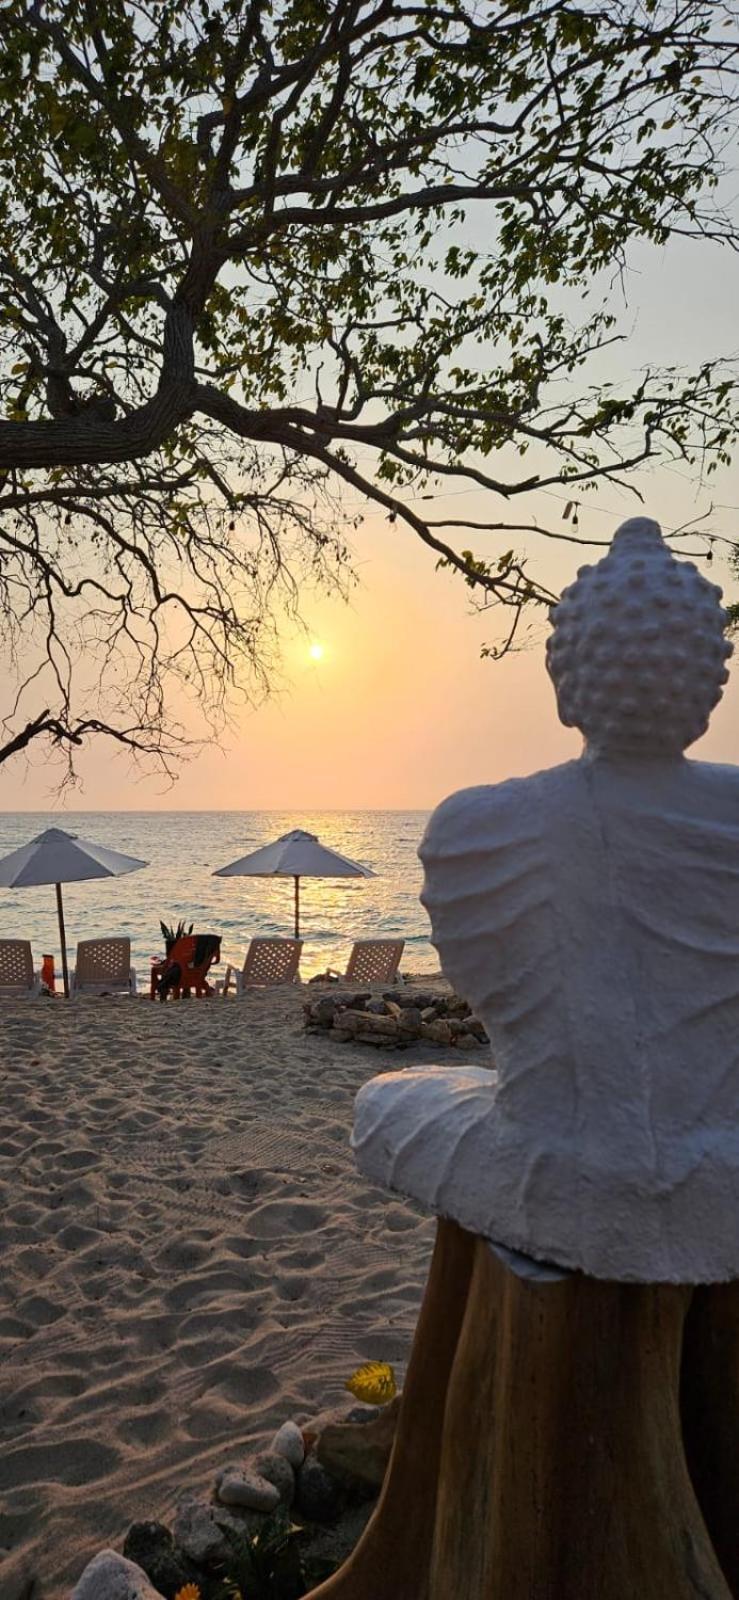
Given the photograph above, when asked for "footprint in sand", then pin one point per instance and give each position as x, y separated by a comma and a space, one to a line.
291, 1286
399, 1220
210, 1421
12, 1329
40, 1312
77, 1237
78, 1160
201, 1290
181, 1255
236, 1244
25, 1214
31, 1262
45, 1149
14, 1525
247, 1184
280, 1217
243, 1385
303, 1260
72, 1462
51, 1386
145, 1428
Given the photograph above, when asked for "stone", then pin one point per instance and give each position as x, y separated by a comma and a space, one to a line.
288, 1442
150, 1546
410, 1020
603, 895
196, 1530
410, 997
378, 1007
324, 1010
366, 1021
326, 1419
243, 1486
439, 1031
362, 1413
329, 1544
358, 1452
276, 1469
347, 997
319, 1497
238, 1519
110, 1576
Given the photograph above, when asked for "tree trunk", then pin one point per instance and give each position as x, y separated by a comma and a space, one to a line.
562, 1473
710, 1413
539, 1452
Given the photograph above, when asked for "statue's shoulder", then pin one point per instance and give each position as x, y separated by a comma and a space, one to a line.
484, 810
494, 813
715, 775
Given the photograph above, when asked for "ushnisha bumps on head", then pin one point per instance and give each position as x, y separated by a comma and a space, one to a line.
637, 652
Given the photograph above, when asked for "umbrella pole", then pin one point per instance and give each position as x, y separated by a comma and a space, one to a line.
297, 907
62, 939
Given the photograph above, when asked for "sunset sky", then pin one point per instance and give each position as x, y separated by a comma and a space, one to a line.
400, 709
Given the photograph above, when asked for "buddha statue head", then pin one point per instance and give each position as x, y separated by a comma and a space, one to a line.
637, 653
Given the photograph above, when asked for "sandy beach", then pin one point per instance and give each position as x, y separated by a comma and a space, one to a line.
189, 1256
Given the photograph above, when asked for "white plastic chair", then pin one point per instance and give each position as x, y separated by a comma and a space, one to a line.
18, 981
267, 962
373, 961
104, 967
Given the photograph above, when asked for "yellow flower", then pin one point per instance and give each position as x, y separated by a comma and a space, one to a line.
374, 1383
190, 1591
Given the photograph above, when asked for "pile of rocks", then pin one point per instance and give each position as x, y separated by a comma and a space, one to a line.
327, 1475
397, 1019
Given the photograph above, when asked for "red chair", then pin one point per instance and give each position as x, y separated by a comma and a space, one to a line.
186, 967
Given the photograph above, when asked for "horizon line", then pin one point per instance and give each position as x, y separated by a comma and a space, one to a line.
123, 811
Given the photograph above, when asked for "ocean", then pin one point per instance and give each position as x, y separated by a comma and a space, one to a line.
183, 848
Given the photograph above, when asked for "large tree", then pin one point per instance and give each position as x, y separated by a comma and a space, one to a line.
241, 269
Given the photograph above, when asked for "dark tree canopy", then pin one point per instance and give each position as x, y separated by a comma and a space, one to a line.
239, 272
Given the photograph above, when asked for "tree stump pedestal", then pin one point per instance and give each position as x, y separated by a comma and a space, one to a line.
574, 1440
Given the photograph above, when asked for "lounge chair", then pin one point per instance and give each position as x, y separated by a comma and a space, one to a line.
372, 961
103, 967
18, 980
186, 967
268, 961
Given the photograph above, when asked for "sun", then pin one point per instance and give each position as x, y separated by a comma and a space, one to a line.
316, 652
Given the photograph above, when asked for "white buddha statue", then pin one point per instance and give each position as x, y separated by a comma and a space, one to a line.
590, 914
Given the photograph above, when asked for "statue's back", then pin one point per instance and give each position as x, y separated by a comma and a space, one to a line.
591, 916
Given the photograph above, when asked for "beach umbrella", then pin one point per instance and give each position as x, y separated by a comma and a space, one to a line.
295, 855
58, 857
